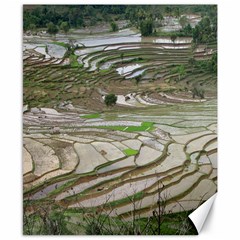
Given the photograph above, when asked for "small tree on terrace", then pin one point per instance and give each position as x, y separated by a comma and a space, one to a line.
65, 27
52, 28
146, 27
114, 27
110, 99
173, 38
183, 21
32, 27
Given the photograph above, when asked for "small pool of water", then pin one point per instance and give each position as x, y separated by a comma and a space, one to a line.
127, 69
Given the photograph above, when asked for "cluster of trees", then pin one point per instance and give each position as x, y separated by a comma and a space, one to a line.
54, 29
205, 31
141, 16
208, 65
74, 15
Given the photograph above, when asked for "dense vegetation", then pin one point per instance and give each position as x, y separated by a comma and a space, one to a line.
145, 17
57, 221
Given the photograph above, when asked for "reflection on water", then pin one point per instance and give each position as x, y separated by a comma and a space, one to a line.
126, 69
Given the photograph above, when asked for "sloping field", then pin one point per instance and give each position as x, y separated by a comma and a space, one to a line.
159, 139
90, 169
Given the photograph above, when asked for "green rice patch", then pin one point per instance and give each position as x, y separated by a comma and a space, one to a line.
117, 128
145, 126
74, 62
130, 152
90, 116
62, 44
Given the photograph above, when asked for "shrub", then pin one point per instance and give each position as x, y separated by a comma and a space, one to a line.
199, 92
52, 28
114, 27
110, 99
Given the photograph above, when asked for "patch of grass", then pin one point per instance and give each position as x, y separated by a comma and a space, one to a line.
145, 126
173, 224
105, 70
117, 128
130, 152
137, 196
135, 128
90, 116
73, 61
62, 44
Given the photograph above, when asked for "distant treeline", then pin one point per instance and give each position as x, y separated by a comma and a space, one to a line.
82, 15
143, 17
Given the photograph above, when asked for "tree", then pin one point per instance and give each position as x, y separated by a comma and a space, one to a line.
188, 30
32, 27
114, 27
173, 38
176, 12
183, 21
52, 28
168, 10
65, 27
146, 27
196, 34
110, 99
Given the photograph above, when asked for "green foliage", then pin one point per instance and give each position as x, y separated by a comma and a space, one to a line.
32, 27
73, 61
213, 63
146, 27
130, 152
45, 222
205, 31
187, 30
183, 21
114, 27
207, 65
141, 16
65, 27
180, 70
52, 28
110, 99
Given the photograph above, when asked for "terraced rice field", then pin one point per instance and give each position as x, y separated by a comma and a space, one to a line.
81, 155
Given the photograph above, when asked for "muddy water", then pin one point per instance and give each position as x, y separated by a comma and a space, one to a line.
108, 64
188, 111
99, 39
